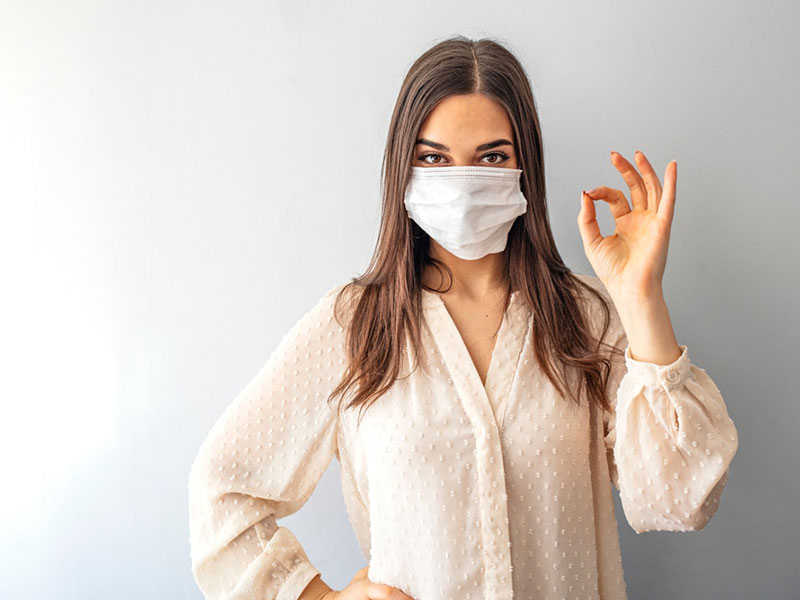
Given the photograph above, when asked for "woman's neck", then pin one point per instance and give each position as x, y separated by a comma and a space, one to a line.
472, 279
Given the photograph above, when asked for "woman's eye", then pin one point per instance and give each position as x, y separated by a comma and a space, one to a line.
424, 156
501, 155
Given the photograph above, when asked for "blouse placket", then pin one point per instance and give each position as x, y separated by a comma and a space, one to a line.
484, 407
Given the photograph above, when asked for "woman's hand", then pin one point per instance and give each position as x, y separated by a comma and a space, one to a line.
631, 261
361, 588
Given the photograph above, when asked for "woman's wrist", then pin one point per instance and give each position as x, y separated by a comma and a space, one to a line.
317, 590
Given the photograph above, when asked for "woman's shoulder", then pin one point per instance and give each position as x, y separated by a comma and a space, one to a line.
339, 301
595, 283
592, 280
593, 304
324, 318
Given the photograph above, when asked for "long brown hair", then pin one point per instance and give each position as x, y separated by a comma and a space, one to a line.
385, 313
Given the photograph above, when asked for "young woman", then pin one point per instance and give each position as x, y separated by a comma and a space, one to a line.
488, 397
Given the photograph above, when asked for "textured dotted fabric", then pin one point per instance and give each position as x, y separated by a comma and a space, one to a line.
455, 489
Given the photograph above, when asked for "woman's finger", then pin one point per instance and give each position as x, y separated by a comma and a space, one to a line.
381, 591
587, 224
615, 198
667, 208
650, 180
633, 179
361, 573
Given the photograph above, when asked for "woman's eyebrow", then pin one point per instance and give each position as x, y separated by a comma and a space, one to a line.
487, 146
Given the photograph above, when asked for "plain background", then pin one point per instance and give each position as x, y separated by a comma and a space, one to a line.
180, 182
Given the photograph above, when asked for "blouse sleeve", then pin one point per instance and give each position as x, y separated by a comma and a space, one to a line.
669, 440
261, 461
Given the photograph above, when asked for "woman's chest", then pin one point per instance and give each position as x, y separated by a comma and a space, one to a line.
431, 434
477, 325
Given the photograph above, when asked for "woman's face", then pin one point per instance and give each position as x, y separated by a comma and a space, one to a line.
466, 130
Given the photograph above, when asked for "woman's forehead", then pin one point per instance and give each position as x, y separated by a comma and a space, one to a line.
466, 120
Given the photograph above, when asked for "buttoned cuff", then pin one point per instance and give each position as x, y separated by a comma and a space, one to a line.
669, 376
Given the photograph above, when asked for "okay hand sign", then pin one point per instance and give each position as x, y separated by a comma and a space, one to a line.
632, 260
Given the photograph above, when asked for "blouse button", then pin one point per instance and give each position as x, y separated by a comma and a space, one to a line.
672, 375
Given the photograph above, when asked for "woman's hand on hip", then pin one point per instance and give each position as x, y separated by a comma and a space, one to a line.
361, 588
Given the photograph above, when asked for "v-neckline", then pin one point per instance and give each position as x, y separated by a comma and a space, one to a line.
505, 353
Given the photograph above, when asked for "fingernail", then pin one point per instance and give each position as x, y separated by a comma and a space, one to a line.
592, 191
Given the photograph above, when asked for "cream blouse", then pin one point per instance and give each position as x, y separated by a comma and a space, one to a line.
456, 490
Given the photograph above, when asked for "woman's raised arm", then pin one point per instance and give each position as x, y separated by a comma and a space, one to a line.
669, 440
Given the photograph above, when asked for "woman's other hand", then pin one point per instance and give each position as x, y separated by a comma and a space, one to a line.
361, 588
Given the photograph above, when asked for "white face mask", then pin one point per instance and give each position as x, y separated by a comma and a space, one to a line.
467, 210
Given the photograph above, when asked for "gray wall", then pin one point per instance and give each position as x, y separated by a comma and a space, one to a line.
180, 181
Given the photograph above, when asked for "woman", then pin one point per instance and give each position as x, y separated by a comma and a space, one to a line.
488, 397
